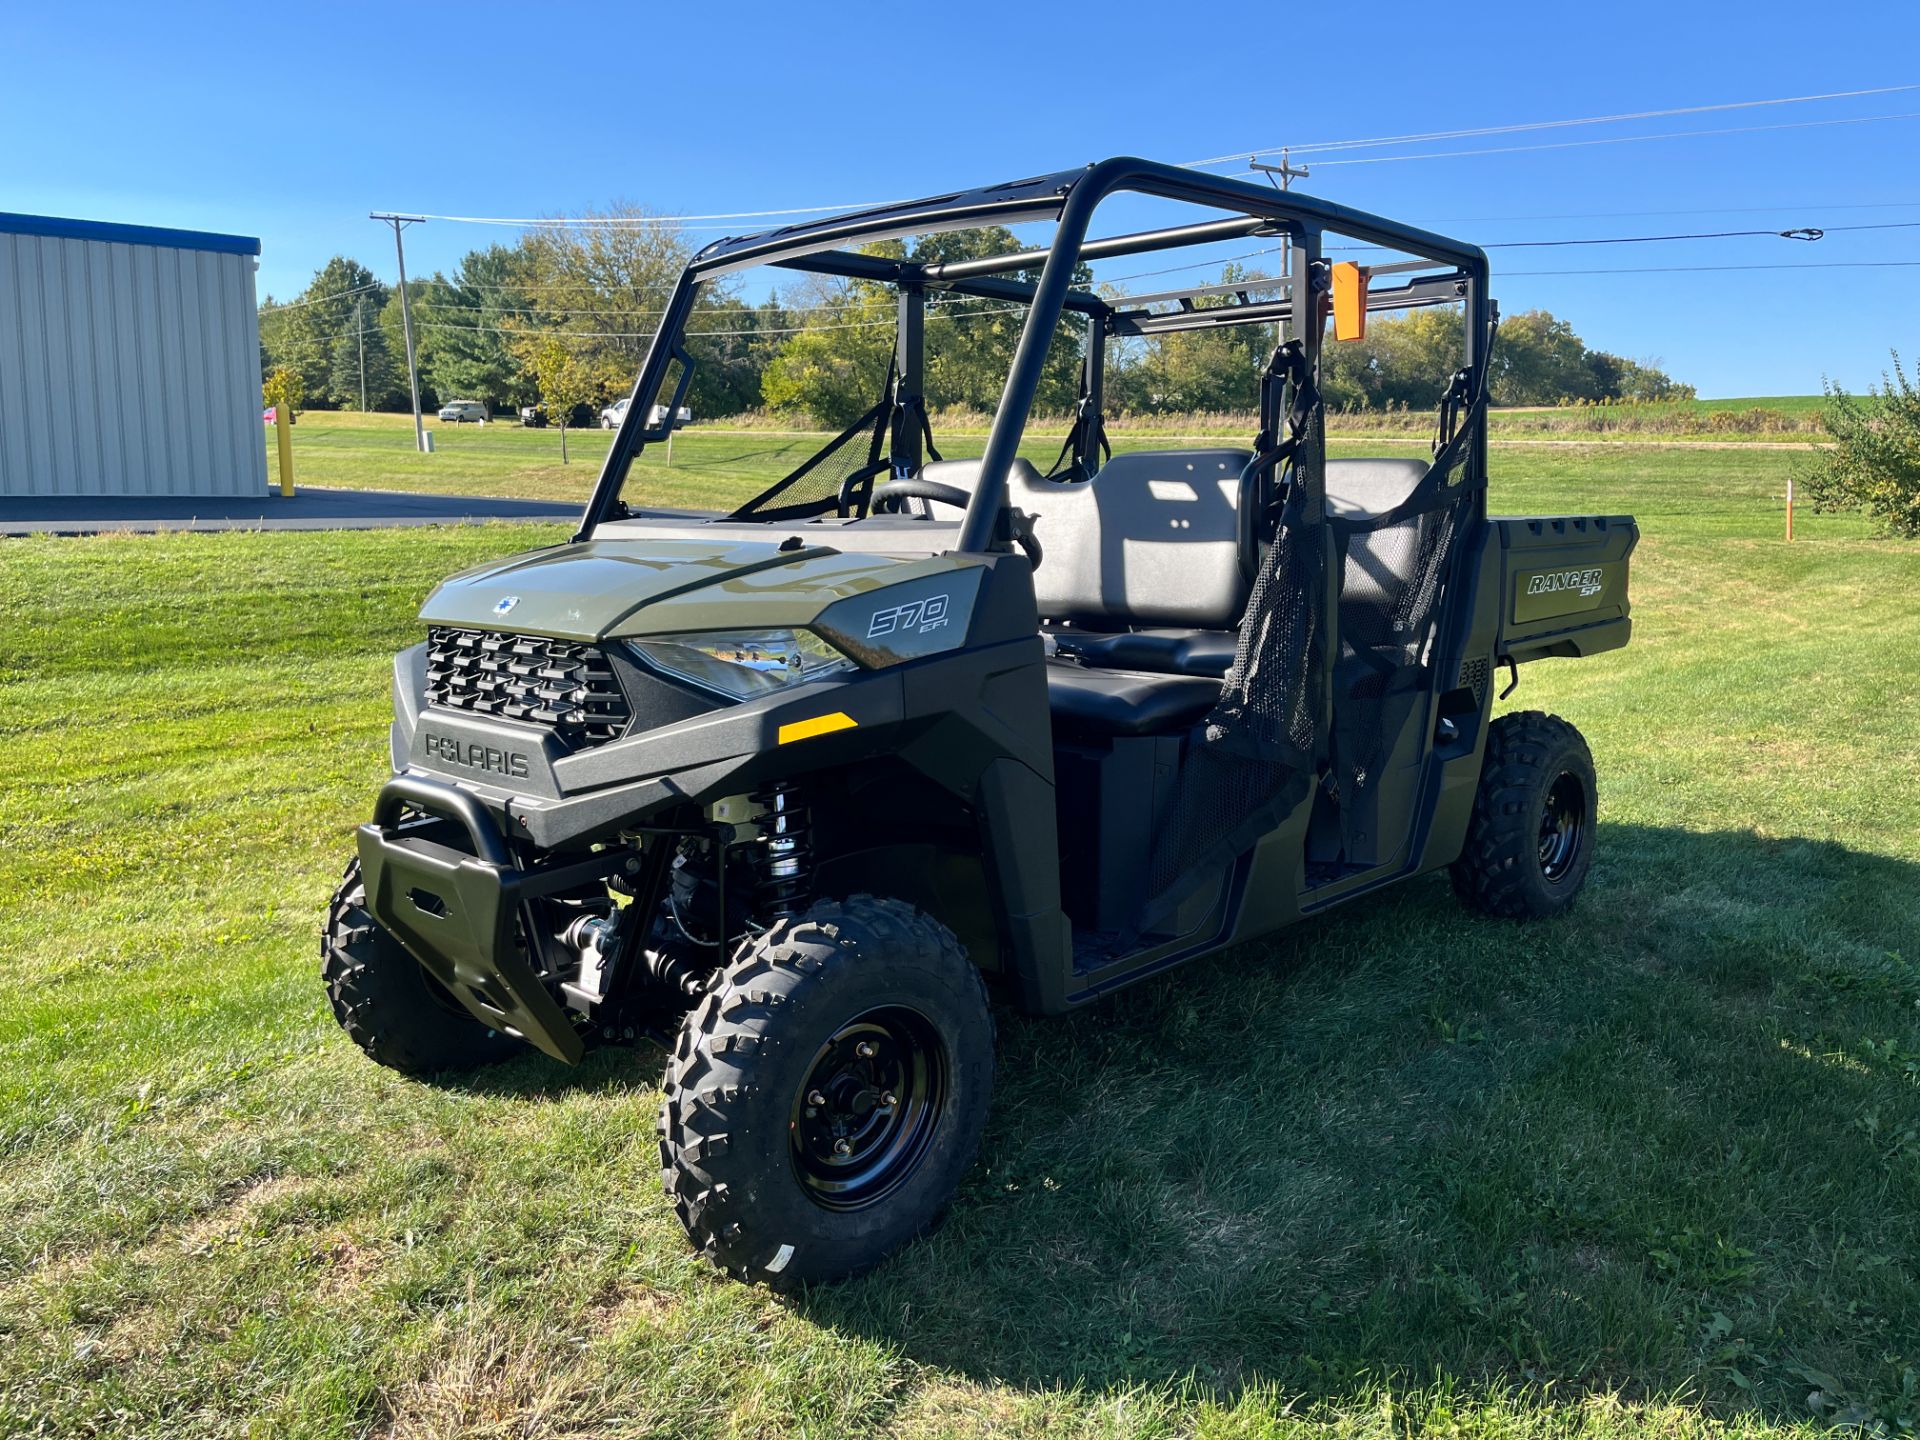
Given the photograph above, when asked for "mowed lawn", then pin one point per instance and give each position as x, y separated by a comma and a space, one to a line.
1653, 1170
713, 466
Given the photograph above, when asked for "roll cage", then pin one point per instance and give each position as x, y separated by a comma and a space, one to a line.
1070, 199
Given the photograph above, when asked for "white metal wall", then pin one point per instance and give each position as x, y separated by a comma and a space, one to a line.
127, 370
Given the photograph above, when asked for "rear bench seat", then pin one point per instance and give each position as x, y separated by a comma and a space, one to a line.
1142, 579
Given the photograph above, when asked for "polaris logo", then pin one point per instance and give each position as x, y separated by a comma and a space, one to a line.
1548, 582
451, 751
920, 615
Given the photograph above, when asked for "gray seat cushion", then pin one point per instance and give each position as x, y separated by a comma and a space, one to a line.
1121, 702
1159, 652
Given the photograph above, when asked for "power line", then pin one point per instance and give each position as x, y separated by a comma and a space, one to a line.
1614, 140
1806, 232
1432, 135
562, 221
1702, 269
945, 306
321, 299
1709, 210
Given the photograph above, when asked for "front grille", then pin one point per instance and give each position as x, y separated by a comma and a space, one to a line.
562, 684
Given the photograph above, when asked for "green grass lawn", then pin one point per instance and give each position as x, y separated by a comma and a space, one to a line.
1650, 1171
718, 467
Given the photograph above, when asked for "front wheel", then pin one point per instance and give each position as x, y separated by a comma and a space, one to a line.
1530, 841
824, 1100
387, 1004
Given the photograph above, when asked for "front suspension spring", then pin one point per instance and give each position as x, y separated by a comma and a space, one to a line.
786, 865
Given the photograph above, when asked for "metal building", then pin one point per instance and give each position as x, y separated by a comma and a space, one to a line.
129, 361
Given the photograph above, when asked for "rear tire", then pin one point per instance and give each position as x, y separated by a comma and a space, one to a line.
387, 1004
1530, 841
825, 1099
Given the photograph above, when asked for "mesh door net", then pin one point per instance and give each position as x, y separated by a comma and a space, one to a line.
1394, 573
1253, 758
1259, 751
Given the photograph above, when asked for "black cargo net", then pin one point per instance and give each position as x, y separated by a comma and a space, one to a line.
1253, 759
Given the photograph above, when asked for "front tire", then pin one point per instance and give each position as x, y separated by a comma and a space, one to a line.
1530, 841
387, 1004
825, 1099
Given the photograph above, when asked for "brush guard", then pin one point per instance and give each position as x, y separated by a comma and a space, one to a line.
462, 913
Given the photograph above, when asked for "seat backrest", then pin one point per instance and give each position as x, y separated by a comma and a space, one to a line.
1152, 539
1381, 564
1363, 489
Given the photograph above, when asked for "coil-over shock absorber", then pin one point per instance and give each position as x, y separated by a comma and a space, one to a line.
786, 862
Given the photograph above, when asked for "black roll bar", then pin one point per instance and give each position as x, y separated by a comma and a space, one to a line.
1069, 197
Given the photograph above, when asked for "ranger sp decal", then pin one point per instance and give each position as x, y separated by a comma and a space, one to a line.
1588, 582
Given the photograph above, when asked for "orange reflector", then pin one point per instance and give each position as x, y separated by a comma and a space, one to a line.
1349, 301
818, 725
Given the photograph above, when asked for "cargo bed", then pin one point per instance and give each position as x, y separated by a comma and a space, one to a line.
1563, 584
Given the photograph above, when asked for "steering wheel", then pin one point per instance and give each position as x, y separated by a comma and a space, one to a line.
917, 489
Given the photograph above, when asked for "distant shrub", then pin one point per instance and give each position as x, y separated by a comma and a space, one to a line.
1755, 420
1873, 464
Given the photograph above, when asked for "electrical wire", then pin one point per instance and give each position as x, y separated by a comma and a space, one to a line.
1464, 134
617, 221
1611, 140
320, 299
1703, 269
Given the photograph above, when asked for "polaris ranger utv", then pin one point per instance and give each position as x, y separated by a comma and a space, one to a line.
802, 783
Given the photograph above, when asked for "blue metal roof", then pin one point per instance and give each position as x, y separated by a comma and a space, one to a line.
127, 234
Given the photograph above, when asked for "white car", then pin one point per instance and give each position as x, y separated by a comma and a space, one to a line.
460, 412
611, 417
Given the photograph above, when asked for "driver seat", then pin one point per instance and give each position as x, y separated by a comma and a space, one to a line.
1141, 580
1143, 565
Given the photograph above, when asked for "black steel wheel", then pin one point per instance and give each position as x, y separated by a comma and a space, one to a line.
865, 1116
1530, 841
826, 1097
1563, 827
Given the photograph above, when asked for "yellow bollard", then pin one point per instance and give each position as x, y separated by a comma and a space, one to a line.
283, 428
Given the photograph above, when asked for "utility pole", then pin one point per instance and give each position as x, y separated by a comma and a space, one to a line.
360, 331
1288, 173
399, 223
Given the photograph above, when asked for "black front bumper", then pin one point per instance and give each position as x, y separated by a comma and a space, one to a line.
460, 912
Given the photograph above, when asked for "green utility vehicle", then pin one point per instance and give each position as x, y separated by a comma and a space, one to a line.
797, 788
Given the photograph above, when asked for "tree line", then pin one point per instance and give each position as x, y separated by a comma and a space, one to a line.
581, 303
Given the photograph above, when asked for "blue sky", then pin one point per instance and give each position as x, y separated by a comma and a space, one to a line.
291, 122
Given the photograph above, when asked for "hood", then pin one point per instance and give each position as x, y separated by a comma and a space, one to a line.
600, 588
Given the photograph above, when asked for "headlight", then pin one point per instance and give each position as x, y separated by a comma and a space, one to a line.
744, 664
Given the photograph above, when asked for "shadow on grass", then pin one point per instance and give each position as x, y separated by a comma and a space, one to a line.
1656, 1147
534, 1076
